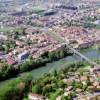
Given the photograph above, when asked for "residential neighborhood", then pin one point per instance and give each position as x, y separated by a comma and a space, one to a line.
49, 49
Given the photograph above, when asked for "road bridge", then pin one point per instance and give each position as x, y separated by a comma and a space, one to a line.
82, 56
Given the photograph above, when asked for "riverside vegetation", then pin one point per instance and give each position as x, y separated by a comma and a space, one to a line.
51, 85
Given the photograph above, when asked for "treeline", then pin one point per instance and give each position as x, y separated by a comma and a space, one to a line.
8, 71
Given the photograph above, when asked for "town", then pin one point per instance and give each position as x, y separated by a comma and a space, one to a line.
30, 37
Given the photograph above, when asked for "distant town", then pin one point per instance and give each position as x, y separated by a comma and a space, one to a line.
36, 32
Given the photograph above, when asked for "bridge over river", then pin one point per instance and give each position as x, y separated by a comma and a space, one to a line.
62, 40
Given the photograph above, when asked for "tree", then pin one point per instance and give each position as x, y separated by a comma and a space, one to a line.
61, 84
55, 73
24, 67
64, 97
7, 71
9, 90
44, 91
51, 55
36, 89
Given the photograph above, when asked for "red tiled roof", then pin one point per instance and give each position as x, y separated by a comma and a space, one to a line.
11, 61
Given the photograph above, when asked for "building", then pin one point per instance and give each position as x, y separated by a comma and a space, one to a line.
23, 55
11, 61
33, 96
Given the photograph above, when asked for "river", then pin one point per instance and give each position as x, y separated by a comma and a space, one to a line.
57, 65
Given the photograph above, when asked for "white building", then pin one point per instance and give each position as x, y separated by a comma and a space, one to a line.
33, 96
23, 55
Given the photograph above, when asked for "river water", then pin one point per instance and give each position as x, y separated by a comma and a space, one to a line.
57, 65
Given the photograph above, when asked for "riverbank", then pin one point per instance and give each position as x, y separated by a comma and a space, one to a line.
8, 71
